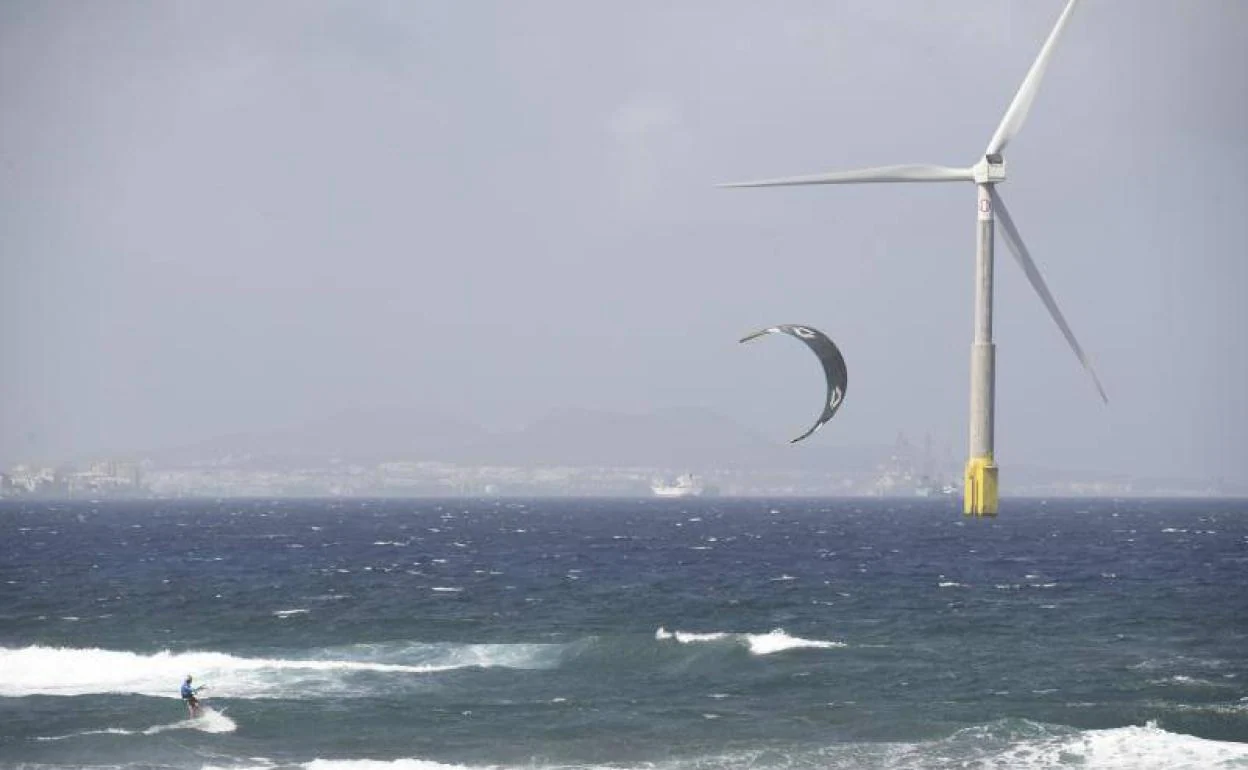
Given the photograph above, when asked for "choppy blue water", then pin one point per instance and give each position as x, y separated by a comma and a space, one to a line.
665, 634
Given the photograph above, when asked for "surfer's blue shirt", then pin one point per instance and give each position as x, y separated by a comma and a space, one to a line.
187, 690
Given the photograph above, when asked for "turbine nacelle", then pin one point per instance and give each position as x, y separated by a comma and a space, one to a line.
989, 170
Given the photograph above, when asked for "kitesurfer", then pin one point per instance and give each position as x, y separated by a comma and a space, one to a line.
188, 695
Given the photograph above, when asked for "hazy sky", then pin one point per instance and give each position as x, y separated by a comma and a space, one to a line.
229, 216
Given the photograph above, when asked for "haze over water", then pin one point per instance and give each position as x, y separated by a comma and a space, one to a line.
236, 218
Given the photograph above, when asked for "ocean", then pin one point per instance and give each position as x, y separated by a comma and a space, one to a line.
624, 633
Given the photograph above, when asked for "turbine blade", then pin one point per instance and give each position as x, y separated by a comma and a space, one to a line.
910, 173
1017, 112
1021, 255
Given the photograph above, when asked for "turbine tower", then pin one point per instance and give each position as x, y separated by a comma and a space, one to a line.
980, 498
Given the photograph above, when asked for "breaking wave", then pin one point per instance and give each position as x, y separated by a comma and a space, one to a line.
1004, 745
759, 644
335, 672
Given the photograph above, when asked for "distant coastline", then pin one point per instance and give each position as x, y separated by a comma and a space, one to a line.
570, 453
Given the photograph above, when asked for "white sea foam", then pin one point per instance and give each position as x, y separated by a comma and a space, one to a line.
105, 731
992, 747
1191, 681
209, 721
689, 638
1122, 748
759, 644
38, 670
778, 641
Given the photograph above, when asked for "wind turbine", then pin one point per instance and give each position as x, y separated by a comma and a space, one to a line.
980, 496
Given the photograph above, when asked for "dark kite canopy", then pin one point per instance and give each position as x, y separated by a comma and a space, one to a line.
831, 359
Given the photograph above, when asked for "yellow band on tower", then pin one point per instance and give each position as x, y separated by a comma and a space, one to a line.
981, 487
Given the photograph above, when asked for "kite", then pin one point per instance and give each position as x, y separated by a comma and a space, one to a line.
831, 359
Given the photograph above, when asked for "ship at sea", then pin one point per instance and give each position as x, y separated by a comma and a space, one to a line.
684, 486
928, 487
908, 472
